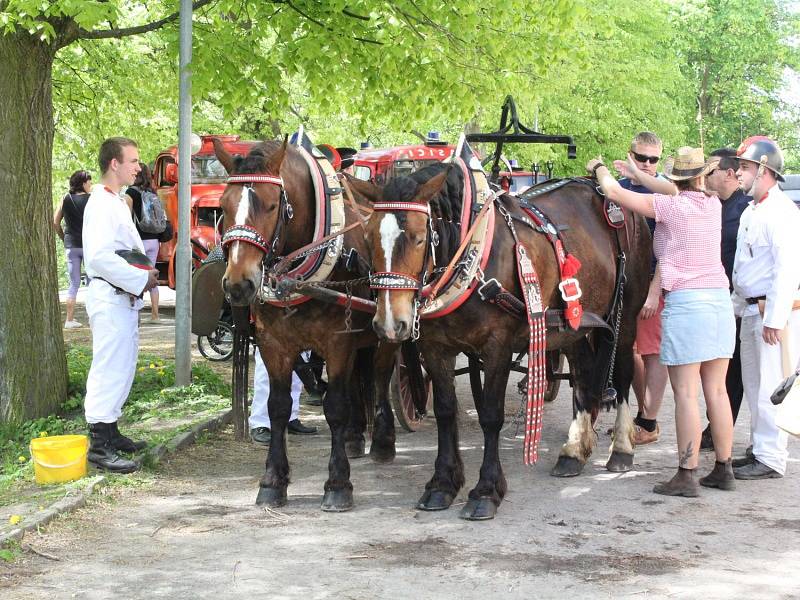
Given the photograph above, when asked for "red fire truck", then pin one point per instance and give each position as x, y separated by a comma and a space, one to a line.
379, 165
208, 183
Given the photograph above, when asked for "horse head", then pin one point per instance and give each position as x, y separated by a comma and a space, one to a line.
400, 240
256, 209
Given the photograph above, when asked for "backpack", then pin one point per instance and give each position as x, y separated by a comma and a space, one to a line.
154, 218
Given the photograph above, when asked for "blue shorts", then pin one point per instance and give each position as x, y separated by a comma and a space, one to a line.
697, 325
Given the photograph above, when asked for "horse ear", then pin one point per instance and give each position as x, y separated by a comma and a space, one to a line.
223, 156
366, 190
275, 161
433, 186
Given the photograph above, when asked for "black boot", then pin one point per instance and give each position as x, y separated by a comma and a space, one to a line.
721, 477
122, 443
681, 484
102, 454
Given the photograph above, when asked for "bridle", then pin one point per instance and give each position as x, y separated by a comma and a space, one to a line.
250, 235
393, 281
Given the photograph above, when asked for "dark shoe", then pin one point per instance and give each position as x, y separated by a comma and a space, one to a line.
297, 428
748, 459
706, 440
721, 477
314, 399
103, 455
682, 484
122, 443
261, 435
756, 470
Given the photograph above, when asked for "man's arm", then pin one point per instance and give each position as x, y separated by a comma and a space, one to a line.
650, 307
99, 226
785, 248
59, 214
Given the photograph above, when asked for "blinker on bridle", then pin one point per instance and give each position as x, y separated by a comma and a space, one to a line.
391, 280
248, 234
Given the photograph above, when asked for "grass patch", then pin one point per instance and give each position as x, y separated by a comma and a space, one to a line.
153, 400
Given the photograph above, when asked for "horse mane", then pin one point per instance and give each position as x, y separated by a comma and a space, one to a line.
256, 159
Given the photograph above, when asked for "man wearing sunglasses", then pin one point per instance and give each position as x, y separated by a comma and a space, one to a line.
650, 376
723, 182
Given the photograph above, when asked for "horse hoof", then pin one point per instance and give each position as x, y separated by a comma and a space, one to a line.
355, 449
435, 500
567, 466
619, 462
337, 500
481, 509
272, 497
382, 454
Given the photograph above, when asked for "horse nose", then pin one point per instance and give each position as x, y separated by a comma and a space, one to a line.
397, 333
240, 293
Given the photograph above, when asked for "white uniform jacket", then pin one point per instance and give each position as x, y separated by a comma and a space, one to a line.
768, 257
107, 227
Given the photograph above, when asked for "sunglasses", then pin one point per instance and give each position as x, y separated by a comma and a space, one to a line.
644, 158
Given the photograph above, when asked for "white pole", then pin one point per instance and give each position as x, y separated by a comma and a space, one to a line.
183, 270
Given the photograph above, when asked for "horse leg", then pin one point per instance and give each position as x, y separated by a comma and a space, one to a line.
338, 489
448, 476
272, 487
486, 496
382, 449
581, 437
620, 459
360, 390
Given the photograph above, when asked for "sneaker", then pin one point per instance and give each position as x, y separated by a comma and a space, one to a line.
72, 325
641, 436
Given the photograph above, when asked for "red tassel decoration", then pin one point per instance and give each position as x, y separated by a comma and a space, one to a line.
570, 267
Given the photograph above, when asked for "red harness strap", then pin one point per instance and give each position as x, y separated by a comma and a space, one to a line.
569, 266
537, 346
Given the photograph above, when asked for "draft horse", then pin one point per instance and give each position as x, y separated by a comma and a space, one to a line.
399, 238
270, 210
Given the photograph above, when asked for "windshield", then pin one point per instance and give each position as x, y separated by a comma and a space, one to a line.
207, 169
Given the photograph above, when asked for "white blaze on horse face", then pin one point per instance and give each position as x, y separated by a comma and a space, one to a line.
242, 210
390, 231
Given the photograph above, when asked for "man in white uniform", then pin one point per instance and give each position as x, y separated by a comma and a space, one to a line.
766, 275
260, 431
112, 303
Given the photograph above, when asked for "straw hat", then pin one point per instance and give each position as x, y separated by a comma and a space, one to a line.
688, 163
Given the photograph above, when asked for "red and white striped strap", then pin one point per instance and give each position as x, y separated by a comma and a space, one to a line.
389, 280
397, 206
253, 178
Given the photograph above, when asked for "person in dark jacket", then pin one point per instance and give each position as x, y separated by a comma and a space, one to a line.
70, 210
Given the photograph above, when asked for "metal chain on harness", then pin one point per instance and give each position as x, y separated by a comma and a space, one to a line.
610, 393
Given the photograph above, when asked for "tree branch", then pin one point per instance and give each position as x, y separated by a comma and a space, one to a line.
101, 34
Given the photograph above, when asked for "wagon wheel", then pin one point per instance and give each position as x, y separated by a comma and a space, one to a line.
410, 389
555, 364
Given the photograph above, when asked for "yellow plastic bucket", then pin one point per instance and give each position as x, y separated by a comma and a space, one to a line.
59, 458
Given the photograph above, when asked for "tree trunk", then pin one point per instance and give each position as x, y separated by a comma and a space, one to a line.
33, 373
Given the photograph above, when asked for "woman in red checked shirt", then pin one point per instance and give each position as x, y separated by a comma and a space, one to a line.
698, 325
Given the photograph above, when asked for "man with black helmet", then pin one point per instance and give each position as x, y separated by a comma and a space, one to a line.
112, 303
766, 277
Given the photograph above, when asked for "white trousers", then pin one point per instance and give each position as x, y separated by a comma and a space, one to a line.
115, 346
762, 371
259, 413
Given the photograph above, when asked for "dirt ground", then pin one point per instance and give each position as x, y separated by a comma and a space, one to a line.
192, 529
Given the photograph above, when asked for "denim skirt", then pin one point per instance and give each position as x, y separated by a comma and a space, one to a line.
697, 325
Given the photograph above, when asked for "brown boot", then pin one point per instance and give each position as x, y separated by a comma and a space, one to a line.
681, 484
721, 477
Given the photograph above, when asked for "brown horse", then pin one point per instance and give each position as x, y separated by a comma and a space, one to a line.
269, 211
398, 241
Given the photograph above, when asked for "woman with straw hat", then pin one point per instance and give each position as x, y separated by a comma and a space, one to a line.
698, 323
